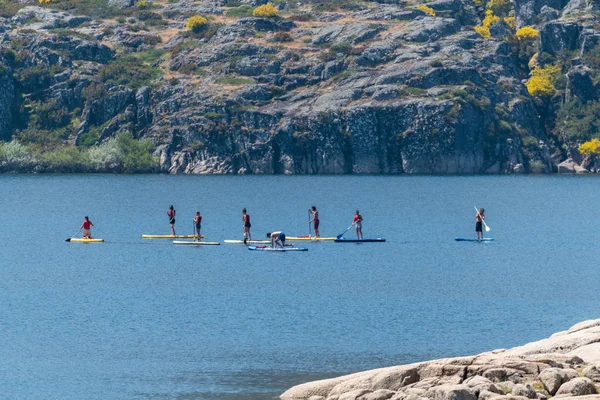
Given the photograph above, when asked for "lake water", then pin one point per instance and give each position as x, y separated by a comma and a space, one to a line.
144, 319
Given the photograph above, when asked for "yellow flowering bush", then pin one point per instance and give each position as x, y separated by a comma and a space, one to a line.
426, 10
527, 33
490, 19
265, 11
511, 22
483, 31
541, 83
196, 23
590, 147
48, 1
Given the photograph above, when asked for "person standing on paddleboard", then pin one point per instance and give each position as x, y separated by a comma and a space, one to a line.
198, 225
358, 222
479, 217
277, 239
171, 214
315, 220
86, 226
246, 224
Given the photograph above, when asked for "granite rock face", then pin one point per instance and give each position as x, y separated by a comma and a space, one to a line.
536, 370
368, 87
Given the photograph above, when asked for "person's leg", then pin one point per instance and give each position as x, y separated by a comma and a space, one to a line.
172, 229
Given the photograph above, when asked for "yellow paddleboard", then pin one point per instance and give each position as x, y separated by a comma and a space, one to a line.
82, 240
170, 237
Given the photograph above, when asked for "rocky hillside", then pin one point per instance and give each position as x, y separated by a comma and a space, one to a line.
314, 86
565, 366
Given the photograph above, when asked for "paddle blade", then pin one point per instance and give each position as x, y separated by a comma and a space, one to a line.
487, 228
68, 240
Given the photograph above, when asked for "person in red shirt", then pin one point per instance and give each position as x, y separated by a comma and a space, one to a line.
198, 224
86, 226
358, 222
171, 214
246, 224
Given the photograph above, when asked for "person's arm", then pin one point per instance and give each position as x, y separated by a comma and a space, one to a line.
91, 223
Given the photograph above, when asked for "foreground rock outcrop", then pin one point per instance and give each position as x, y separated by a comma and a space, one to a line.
565, 365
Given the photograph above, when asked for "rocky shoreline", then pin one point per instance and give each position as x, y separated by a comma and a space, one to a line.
565, 366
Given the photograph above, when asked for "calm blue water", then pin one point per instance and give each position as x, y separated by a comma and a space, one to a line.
143, 319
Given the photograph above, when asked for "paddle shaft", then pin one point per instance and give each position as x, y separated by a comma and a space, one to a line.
341, 235
487, 228
69, 239
309, 229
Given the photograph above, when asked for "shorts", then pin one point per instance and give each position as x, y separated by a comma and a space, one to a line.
87, 232
316, 223
172, 221
281, 237
247, 225
359, 225
198, 226
478, 226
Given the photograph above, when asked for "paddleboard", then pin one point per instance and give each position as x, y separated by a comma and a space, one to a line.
265, 248
359, 240
474, 240
169, 237
82, 240
308, 238
195, 243
234, 241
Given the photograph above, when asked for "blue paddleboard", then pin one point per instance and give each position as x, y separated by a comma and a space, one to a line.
474, 240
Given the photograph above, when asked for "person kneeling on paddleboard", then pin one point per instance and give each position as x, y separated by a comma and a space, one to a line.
198, 225
479, 217
277, 239
86, 226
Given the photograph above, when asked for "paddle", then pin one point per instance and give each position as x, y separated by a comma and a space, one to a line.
342, 234
487, 228
69, 239
309, 230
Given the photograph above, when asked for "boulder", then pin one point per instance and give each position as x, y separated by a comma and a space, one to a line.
427, 29
524, 390
592, 372
450, 392
553, 378
566, 167
577, 387
380, 394
580, 84
559, 36
354, 32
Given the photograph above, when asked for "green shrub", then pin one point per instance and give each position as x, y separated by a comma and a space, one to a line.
131, 70
105, 157
240, 12
234, 81
14, 154
136, 155
282, 37
66, 159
